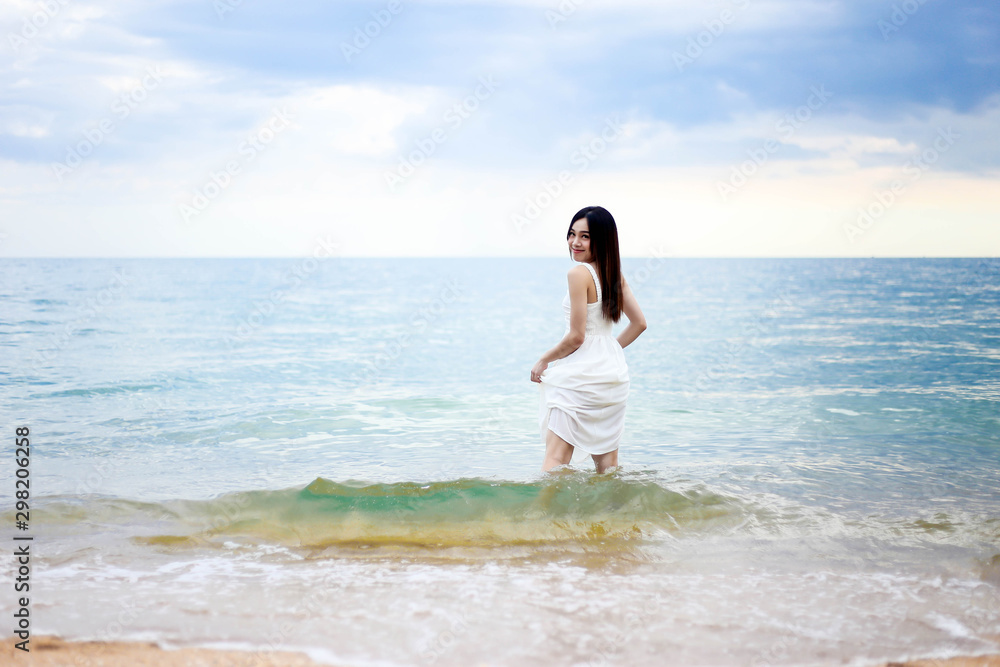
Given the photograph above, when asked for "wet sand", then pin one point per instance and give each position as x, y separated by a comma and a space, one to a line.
47, 651
984, 661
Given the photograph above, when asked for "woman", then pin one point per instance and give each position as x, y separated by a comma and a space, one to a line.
584, 392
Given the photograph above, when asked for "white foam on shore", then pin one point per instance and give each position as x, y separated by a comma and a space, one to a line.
742, 608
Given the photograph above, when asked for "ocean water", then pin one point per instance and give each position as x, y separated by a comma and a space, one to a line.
342, 456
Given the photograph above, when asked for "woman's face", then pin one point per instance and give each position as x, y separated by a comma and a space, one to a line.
579, 241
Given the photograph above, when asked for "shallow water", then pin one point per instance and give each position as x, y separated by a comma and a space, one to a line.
348, 464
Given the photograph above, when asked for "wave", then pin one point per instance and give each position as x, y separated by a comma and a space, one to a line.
574, 509
634, 515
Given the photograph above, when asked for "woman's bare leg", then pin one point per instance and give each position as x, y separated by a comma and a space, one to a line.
557, 451
605, 461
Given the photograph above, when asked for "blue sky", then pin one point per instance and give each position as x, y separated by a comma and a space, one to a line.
729, 128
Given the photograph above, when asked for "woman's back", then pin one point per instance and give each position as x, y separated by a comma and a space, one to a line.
597, 324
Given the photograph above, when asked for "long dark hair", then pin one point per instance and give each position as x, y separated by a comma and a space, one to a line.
604, 249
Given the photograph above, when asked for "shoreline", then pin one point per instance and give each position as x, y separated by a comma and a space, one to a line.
51, 650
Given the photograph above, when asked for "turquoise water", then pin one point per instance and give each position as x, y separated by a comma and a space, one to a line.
809, 466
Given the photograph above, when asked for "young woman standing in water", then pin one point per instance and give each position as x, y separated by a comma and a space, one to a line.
584, 390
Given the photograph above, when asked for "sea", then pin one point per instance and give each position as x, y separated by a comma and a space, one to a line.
342, 456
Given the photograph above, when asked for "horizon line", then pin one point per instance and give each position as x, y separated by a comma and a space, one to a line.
440, 257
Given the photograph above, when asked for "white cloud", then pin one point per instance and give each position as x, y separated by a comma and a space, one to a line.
852, 146
25, 121
360, 120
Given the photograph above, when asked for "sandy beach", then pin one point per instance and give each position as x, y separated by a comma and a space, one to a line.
52, 651
981, 661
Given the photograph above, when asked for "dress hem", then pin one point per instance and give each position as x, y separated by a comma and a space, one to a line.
547, 426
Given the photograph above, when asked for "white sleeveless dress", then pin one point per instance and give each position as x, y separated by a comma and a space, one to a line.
583, 394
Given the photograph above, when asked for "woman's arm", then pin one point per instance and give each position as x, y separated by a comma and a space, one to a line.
577, 277
636, 320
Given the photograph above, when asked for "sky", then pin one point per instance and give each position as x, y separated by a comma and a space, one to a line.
436, 128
